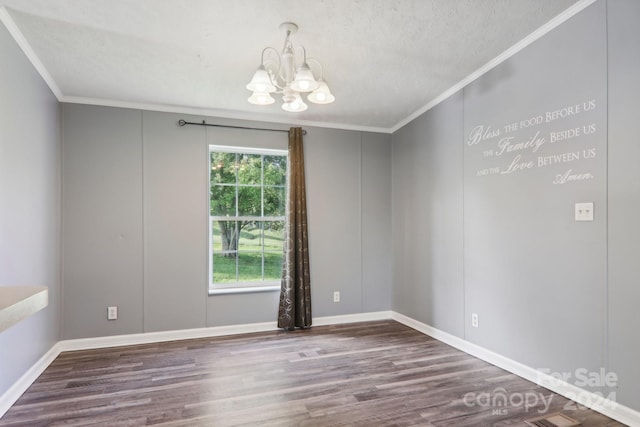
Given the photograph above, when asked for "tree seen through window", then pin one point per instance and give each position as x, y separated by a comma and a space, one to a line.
247, 204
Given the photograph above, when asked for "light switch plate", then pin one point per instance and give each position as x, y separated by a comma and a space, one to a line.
584, 211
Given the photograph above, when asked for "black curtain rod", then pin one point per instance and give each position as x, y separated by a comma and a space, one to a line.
183, 122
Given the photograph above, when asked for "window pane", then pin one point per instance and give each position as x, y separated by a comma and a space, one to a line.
216, 240
224, 267
273, 235
250, 169
246, 185
223, 200
250, 236
250, 266
249, 201
225, 251
275, 170
274, 201
228, 231
250, 252
223, 169
272, 265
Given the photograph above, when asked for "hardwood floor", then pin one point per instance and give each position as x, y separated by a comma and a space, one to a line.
363, 374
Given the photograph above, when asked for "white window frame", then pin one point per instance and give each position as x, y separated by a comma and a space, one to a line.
239, 287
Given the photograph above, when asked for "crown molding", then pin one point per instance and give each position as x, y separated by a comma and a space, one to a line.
22, 42
15, 32
543, 30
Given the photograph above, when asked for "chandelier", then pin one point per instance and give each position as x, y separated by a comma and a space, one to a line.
279, 74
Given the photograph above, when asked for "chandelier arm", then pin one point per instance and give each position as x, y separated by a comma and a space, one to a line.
273, 75
319, 65
264, 51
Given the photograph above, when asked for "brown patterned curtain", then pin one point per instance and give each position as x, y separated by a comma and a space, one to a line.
295, 293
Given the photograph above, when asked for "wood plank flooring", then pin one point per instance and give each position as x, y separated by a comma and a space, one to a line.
362, 374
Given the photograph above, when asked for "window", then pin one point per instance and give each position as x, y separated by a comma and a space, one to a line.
246, 219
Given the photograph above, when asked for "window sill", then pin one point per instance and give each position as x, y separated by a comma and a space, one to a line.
244, 290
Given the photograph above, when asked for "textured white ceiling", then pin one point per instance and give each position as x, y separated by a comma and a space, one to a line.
383, 59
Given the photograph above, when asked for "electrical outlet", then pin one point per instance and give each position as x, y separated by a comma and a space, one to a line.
112, 313
584, 211
474, 320
336, 296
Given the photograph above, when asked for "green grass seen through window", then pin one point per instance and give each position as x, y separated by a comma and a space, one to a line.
249, 256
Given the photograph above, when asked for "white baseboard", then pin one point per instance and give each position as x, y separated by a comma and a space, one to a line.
352, 318
19, 387
163, 336
586, 398
8, 398
214, 331
609, 408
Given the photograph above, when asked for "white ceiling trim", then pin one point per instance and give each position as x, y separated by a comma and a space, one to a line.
22, 42
553, 23
223, 114
15, 32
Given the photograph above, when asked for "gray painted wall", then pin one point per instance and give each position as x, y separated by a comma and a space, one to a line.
175, 170
550, 292
29, 206
427, 218
102, 220
529, 267
376, 222
141, 241
334, 214
624, 198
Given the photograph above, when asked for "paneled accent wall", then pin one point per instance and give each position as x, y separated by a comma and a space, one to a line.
135, 207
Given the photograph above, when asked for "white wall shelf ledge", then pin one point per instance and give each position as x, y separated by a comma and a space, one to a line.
20, 302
